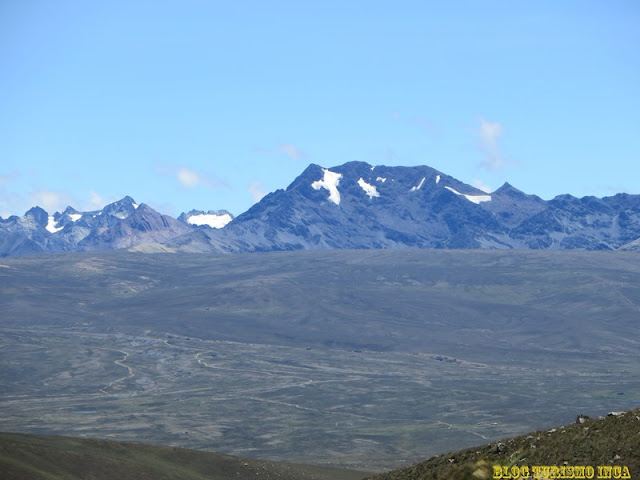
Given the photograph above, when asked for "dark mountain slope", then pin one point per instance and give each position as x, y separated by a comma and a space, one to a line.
35, 457
359, 206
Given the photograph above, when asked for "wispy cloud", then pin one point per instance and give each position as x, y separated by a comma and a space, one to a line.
50, 200
489, 134
288, 149
11, 203
482, 186
14, 203
292, 151
189, 178
257, 191
96, 202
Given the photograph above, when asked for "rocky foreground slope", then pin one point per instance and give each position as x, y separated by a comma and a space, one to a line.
609, 445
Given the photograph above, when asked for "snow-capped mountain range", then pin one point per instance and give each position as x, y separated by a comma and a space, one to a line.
355, 206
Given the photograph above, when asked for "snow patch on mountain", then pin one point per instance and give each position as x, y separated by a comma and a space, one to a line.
135, 205
51, 225
212, 220
381, 179
438, 179
330, 182
472, 198
370, 190
75, 216
419, 186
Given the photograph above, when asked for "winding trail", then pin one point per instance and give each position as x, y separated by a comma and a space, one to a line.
130, 373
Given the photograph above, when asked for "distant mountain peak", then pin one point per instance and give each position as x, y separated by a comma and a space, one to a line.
38, 213
126, 200
121, 208
356, 164
69, 210
350, 206
508, 189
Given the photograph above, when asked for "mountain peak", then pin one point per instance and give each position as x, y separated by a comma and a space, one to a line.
310, 174
355, 206
121, 208
126, 200
509, 189
354, 166
36, 212
69, 210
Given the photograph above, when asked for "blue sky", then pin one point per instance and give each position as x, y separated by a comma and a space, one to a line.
210, 104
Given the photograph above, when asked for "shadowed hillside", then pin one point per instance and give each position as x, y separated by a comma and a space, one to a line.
605, 441
33, 457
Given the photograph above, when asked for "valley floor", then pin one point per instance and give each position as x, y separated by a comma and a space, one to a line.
354, 409
357, 359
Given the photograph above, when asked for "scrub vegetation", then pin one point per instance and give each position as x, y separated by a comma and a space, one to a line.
604, 442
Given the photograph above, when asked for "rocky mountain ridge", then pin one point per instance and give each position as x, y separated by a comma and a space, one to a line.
351, 206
